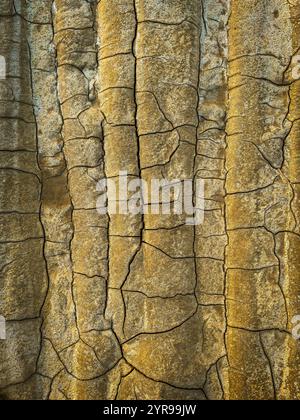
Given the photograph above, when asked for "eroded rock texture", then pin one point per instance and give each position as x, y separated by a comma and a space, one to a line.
140, 306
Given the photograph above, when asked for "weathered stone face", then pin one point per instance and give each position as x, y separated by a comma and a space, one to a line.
145, 306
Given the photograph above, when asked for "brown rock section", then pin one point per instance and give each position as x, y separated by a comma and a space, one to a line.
140, 306
262, 294
23, 281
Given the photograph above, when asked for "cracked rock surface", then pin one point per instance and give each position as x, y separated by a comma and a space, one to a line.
119, 306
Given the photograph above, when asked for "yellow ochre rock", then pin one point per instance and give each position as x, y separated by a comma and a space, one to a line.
149, 304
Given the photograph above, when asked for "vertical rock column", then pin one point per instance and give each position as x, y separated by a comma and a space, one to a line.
149, 78
58, 328
92, 351
23, 278
263, 243
117, 29
288, 242
117, 32
210, 166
